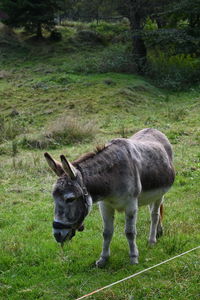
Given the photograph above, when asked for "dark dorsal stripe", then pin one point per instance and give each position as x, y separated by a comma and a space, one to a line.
126, 157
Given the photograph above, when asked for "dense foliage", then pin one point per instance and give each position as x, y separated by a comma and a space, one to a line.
166, 25
164, 29
31, 14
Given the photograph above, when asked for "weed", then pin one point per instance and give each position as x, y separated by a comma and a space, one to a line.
37, 142
178, 114
14, 148
175, 136
181, 180
9, 129
68, 130
3, 150
123, 132
63, 131
174, 243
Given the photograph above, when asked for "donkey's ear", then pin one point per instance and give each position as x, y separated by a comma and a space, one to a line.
54, 165
68, 167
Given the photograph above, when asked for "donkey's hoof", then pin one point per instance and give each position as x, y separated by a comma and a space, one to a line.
159, 232
101, 262
152, 242
134, 260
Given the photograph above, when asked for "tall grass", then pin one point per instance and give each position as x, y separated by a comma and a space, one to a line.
62, 131
69, 130
9, 129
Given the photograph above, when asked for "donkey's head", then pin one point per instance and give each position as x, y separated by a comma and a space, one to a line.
72, 202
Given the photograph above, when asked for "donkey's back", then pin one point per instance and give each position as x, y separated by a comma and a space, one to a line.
150, 135
149, 161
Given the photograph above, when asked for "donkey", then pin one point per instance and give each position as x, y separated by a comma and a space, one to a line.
124, 174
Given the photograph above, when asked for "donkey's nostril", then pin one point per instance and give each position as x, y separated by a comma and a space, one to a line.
81, 228
63, 234
58, 236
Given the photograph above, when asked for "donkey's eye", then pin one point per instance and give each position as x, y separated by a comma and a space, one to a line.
70, 199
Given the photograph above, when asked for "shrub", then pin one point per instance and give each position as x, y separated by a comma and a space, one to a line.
69, 130
114, 58
64, 131
9, 129
7, 32
37, 142
56, 36
8, 37
114, 32
10, 44
91, 37
174, 72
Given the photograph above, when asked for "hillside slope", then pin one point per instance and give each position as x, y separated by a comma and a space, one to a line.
50, 102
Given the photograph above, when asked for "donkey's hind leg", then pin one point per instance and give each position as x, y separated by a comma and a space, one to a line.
107, 214
156, 229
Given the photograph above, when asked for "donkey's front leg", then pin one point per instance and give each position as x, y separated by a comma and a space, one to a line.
107, 214
130, 230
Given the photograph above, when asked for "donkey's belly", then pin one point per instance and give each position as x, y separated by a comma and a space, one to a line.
121, 202
148, 197
118, 202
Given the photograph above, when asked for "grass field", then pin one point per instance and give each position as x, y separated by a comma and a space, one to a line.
43, 86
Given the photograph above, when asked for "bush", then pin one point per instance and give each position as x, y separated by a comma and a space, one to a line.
9, 129
8, 37
64, 131
56, 36
175, 72
10, 44
68, 130
115, 58
37, 142
91, 37
7, 32
113, 32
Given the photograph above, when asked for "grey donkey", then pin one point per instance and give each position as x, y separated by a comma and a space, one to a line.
123, 175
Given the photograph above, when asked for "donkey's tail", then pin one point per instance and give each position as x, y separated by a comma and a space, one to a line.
160, 228
161, 212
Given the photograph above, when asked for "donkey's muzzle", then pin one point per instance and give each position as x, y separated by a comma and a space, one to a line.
58, 236
62, 235
62, 232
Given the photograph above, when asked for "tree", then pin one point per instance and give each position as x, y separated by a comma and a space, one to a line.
183, 27
137, 11
88, 10
33, 15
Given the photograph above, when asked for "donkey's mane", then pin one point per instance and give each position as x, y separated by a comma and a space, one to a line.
94, 167
89, 155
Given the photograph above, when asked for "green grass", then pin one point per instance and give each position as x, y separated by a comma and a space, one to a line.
47, 87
